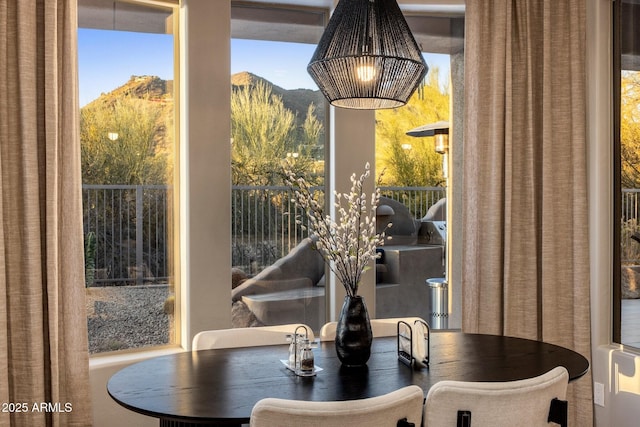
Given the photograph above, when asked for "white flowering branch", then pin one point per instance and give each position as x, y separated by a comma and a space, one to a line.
348, 244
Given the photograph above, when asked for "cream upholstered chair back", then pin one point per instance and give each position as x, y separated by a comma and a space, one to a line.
497, 404
246, 337
380, 411
328, 331
379, 327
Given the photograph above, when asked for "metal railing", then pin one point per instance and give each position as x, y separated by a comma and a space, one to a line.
417, 199
133, 236
131, 232
263, 225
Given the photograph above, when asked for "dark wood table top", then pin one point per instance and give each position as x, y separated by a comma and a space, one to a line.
221, 386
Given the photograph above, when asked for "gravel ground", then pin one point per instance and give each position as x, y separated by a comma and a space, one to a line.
121, 317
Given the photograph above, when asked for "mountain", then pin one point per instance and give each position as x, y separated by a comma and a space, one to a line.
156, 89
152, 88
159, 92
296, 100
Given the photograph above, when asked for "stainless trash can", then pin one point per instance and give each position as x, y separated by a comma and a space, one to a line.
439, 308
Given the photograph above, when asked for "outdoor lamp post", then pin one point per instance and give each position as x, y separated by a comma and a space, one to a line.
440, 132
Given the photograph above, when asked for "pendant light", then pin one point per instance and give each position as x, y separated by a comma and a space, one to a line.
367, 57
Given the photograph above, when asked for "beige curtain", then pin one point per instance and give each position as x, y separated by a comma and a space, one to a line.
43, 332
525, 257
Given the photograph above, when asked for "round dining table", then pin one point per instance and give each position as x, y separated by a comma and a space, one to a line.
221, 386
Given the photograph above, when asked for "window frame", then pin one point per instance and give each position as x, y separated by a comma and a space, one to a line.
617, 168
174, 213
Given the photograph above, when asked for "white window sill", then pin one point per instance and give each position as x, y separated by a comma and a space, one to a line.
125, 358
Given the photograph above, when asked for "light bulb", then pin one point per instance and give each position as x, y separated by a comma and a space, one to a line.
366, 73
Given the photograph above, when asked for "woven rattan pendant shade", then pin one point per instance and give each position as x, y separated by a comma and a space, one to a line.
367, 57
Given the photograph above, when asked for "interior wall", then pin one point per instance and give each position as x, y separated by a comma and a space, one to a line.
352, 145
205, 167
106, 412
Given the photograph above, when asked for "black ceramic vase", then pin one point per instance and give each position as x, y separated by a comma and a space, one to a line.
353, 332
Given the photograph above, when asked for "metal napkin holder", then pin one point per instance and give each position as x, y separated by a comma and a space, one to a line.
406, 345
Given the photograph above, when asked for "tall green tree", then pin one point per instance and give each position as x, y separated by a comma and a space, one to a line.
312, 131
407, 160
263, 135
313, 147
122, 142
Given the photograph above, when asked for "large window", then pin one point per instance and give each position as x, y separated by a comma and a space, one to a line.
277, 277
627, 173
127, 98
277, 115
413, 167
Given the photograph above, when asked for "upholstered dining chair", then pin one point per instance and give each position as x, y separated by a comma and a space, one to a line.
379, 327
246, 337
401, 407
534, 402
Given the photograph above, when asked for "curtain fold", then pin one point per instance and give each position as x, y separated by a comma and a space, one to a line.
525, 251
43, 349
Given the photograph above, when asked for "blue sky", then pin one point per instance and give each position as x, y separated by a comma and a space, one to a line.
107, 59
285, 64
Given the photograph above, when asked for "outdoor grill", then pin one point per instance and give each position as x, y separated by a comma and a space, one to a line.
413, 251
